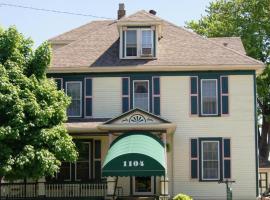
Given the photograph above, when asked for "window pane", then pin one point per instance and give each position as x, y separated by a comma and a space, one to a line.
64, 173
147, 42
143, 184
210, 160
131, 43
74, 91
141, 99
209, 97
82, 164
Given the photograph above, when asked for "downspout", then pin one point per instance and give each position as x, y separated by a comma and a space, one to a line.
172, 168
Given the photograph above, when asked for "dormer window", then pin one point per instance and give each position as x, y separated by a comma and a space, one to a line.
138, 43
131, 43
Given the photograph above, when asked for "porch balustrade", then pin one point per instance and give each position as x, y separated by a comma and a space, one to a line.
52, 190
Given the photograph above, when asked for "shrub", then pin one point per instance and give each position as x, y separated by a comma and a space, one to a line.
182, 197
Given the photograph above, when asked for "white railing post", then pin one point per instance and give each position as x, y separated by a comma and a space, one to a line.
41, 187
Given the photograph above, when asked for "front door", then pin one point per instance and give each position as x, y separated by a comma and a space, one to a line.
143, 185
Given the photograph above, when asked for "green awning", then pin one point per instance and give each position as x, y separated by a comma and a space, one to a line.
135, 154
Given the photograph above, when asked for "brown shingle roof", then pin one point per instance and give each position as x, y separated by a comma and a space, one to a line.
234, 43
97, 45
140, 16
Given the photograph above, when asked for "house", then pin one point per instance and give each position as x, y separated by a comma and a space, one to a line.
156, 110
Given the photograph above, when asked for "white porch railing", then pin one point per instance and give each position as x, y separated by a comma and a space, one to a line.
75, 189
17, 190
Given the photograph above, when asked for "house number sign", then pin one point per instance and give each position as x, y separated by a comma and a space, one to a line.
134, 163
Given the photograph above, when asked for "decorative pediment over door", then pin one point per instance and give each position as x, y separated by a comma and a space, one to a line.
138, 119
137, 116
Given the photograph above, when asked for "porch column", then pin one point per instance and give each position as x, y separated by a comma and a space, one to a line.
111, 181
164, 181
41, 187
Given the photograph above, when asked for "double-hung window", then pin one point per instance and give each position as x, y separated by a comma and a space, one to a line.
138, 43
131, 43
141, 94
146, 42
74, 90
209, 97
210, 160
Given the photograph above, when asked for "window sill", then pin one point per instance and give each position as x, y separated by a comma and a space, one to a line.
138, 58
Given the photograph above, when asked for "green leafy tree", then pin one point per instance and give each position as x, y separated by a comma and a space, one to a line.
33, 139
248, 19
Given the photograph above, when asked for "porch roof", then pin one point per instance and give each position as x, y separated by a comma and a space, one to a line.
135, 154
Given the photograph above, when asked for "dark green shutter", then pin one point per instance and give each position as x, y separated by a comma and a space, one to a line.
97, 159
156, 95
224, 95
227, 158
194, 110
125, 94
59, 83
88, 103
194, 158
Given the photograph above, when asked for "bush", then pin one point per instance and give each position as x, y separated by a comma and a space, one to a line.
182, 197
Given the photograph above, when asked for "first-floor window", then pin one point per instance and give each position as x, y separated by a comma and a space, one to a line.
141, 94
87, 166
209, 97
74, 90
210, 160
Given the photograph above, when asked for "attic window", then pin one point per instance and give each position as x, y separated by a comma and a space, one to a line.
138, 43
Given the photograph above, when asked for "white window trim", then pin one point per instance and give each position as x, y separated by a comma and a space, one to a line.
214, 114
89, 162
143, 193
80, 97
152, 46
210, 179
148, 106
139, 44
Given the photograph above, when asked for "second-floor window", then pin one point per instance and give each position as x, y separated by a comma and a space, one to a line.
74, 90
138, 43
209, 96
141, 94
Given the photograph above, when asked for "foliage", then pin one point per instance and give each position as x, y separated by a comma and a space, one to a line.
182, 197
248, 19
33, 139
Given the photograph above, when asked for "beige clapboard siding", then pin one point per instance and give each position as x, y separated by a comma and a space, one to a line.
107, 101
239, 126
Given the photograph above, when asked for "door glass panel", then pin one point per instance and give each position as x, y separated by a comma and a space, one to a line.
143, 184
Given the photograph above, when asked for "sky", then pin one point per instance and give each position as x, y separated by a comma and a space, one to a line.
40, 25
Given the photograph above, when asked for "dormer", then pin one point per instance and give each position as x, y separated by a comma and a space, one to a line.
139, 34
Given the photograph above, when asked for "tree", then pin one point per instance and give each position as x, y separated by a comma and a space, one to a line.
33, 139
248, 19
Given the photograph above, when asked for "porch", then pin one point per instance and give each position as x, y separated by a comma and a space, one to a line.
125, 158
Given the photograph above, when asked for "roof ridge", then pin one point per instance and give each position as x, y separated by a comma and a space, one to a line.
83, 25
209, 40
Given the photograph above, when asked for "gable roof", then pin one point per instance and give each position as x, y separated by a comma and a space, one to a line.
140, 16
96, 45
234, 43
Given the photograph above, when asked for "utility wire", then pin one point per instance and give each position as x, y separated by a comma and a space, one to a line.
50, 10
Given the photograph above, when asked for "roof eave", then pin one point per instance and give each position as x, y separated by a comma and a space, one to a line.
258, 68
